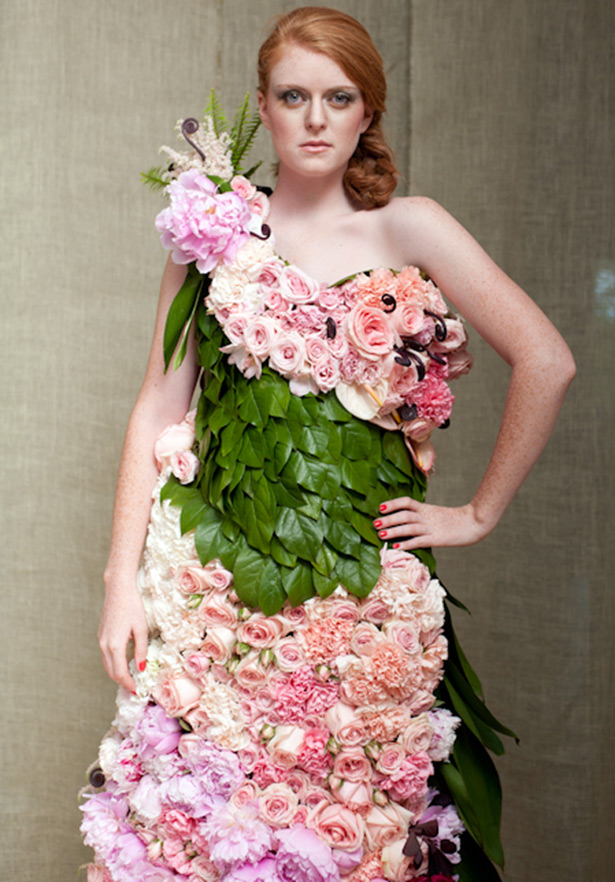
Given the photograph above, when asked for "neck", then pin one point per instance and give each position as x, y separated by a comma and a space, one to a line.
309, 197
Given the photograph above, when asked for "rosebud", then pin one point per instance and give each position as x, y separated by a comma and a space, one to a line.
244, 613
194, 601
232, 665
380, 797
242, 648
373, 749
154, 850
322, 673
267, 732
266, 657
333, 746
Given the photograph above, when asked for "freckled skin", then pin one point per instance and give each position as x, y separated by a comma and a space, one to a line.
317, 229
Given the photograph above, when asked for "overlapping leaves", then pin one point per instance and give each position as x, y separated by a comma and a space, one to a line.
288, 486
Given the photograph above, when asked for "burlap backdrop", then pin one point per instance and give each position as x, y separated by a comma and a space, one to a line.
499, 110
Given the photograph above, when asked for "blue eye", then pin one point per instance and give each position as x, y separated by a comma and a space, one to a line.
291, 97
341, 99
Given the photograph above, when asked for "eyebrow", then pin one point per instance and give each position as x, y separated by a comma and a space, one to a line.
305, 89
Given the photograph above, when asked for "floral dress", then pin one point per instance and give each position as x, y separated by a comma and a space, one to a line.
306, 712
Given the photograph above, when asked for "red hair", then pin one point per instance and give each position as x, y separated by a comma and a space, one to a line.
371, 176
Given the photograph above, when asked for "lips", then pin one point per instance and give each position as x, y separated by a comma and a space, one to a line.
315, 146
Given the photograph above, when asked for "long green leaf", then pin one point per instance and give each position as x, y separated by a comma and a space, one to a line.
181, 313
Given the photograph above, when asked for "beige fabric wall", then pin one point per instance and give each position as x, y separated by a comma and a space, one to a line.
499, 110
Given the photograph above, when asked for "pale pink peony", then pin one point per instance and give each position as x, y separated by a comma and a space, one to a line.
201, 224
302, 857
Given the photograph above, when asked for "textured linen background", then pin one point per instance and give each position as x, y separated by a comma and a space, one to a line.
499, 110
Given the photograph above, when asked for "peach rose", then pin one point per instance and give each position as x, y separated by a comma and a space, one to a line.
456, 336
337, 826
300, 816
385, 824
288, 655
404, 634
197, 665
287, 355
260, 631
216, 610
375, 609
249, 673
219, 577
198, 719
391, 758
369, 330
459, 363
408, 318
345, 726
248, 756
365, 638
177, 694
351, 764
277, 805
192, 578
315, 796
416, 737
184, 466
285, 746
218, 643
298, 781
259, 205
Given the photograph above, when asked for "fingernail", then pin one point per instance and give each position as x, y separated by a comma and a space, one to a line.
396, 545
382, 534
134, 691
142, 665
382, 507
377, 523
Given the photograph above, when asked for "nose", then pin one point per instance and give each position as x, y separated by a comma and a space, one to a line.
315, 119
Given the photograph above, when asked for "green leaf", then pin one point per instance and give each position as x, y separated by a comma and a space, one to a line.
388, 473
180, 315
483, 732
247, 574
365, 528
325, 585
178, 494
355, 475
325, 560
356, 440
153, 178
271, 594
463, 800
455, 677
359, 576
192, 512
252, 450
299, 534
339, 508
319, 477
342, 536
209, 538
261, 400
334, 410
396, 451
297, 583
280, 554
288, 496
230, 436
475, 866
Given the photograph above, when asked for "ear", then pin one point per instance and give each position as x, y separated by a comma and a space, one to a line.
262, 109
367, 120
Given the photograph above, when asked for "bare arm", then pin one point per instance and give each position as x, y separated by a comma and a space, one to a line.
163, 399
542, 369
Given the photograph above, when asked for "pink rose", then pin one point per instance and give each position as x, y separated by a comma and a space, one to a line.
259, 336
235, 326
326, 373
243, 187
287, 354
192, 578
404, 634
298, 782
408, 319
355, 795
296, 286
315, 796
260, 631
288, 654
459, 362
416, 737
369, 330
351, 764
395, 864
248, 756
196, 665
177, 694
219, 577
270, 272
315, 348
285, 746
259, 205
250, 673
216, 610
385, 824
345, 726
184, 466
174, 439
456, 336
391, 758
300, 816
419, 429
277, 805
218, 643
246, 792
375, 610
337, 825
293, 616
365, 637
198, 719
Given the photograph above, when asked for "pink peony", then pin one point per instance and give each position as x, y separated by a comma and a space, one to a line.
201, 224
157, 733
263, 871
302, 857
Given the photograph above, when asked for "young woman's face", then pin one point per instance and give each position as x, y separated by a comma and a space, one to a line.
314, 112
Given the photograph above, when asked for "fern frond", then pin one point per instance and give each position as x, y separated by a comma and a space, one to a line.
248, 174
239, 120
249, 134
214, 109
153, 178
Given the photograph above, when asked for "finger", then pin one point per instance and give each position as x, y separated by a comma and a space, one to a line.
403, 531
401, 517
413, 544
397, 503
119, 668
140, 638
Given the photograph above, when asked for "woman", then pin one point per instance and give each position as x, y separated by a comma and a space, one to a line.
321, 96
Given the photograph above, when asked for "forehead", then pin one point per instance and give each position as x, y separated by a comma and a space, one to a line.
299, 66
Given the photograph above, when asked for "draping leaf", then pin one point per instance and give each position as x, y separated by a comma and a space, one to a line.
365, 528
459, 792
319, 477
181, 313
252, 450
454, 675
483, 788
359, 576
297, 583
483, 732
230, 436
299, 534
475, 866
177, 493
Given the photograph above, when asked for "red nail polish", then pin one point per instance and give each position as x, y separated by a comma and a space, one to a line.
134, 691
142, 665
382, 534
382, 507
396, 545
377, 523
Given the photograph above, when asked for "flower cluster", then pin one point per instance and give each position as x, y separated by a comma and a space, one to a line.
212, 155
291, 747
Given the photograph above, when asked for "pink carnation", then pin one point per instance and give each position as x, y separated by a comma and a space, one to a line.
201, 224
433, 399
314, 756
